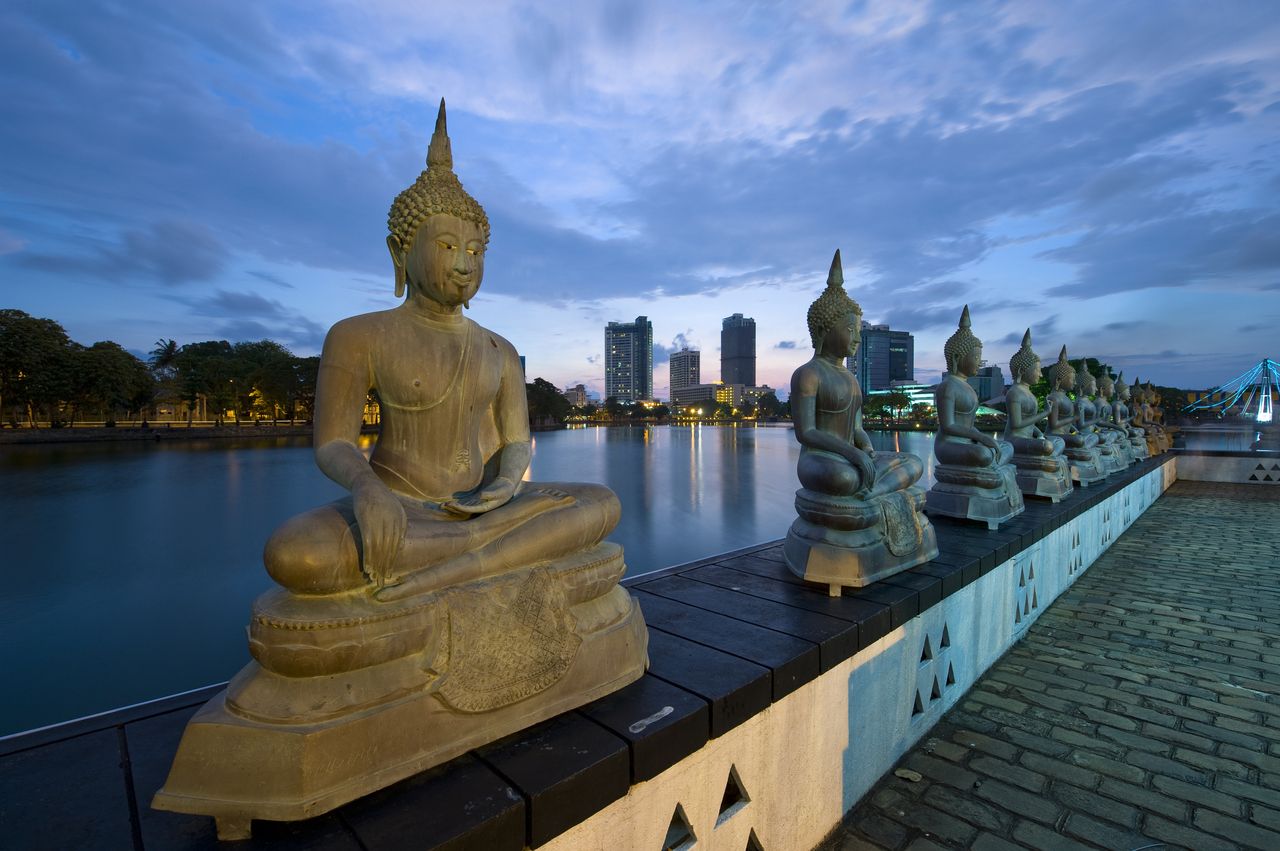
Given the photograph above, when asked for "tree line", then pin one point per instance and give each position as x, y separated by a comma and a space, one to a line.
45, 376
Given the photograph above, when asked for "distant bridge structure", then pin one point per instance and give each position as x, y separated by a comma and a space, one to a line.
1251, 394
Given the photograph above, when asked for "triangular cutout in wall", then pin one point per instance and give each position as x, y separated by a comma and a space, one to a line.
680, 834
946, 637
734, 797
926, 653
936, 693
951, 674
753, 842
919, 705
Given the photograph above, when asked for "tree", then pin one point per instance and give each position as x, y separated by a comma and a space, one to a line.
307, 371
897, 402
265, 377
922, 411
613, 407
769, 406
36, 364
546, 403
109, 379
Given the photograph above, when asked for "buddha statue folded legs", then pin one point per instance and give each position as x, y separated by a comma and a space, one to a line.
974, 479
1042, 469
859, 512
445, 603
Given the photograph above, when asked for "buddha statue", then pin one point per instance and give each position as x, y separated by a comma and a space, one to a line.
1087, 420
1144, 416
1081, 449
1155, 416
447, 601
1109, 429
1042, 469
974, 479
1124, 417
860, 513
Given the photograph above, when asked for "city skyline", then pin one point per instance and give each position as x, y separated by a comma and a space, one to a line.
1104, 174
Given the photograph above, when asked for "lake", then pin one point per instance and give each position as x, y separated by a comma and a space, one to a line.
130, 567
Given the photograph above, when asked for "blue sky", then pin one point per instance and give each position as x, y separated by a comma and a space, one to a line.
1107, 173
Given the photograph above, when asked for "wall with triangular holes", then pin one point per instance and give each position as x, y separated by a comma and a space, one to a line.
784, 778
1246, 468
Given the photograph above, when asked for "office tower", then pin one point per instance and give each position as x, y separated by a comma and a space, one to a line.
988, 383
628, 360
738, 350
686, 369
884, 357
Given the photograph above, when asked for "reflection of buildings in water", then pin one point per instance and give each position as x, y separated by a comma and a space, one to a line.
737, 479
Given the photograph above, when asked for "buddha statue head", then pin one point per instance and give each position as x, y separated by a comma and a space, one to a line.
1086, 385
835, 313
1062, 375
438, 233
1025, 363
1106, 387
963, 350
1122, 389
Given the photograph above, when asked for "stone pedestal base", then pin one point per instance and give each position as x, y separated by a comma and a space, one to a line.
1044, 476
500, 655
849, 542
1087, 466
1138, 447
987, 494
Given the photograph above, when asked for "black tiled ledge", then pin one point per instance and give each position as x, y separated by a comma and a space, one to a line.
728, 636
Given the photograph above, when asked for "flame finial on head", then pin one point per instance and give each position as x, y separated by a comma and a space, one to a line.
833, 304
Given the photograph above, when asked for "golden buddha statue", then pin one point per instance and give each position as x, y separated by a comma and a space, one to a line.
1155, 416
860, 512
1081, 447
973, 477
446, 602
1042, 469
1127, 419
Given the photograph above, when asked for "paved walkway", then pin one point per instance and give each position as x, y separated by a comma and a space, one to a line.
1141, 711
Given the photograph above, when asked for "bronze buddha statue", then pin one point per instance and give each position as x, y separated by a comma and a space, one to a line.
974, 479
1125, 418
860, 515
448, 601
1081, 448
1042, 469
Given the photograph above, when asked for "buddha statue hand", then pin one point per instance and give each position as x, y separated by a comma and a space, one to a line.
493, 495
382, 523
863, 463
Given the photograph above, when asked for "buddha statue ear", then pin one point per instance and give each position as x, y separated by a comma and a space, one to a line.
397, 260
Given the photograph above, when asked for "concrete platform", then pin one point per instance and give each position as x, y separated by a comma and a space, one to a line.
1141, 710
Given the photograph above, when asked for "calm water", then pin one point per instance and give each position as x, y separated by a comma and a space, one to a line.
129, 568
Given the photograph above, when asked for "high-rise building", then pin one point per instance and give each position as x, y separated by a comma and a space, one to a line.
738, 350
988, 383
884, 357
686, 369
628, 360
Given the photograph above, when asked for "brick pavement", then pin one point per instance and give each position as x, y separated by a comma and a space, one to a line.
1141, 711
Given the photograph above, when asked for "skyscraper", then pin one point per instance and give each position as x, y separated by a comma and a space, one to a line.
628, 360
884, 357
686, 369
738, 350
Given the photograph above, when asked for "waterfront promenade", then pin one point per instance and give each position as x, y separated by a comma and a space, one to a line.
1141, 711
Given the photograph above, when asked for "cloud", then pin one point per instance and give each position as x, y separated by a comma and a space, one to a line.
1042, 330
786, 344
662, 353
242, 317
168, 252
270, 279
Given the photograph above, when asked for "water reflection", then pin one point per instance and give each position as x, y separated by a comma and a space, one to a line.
131, 567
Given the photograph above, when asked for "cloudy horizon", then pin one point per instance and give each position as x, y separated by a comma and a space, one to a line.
1106, 174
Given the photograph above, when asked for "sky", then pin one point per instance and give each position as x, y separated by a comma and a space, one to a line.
1105, 173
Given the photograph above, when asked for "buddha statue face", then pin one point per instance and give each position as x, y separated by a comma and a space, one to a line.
1032, 374
844, 336
971, 362
445, 261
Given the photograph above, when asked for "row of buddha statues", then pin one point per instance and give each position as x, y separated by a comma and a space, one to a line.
449, 601
861, 514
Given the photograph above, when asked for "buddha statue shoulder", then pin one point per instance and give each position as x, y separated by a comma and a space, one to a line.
859, 513
447, 601
973, 477
1042, 469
